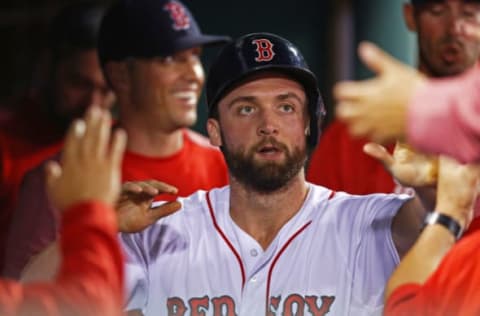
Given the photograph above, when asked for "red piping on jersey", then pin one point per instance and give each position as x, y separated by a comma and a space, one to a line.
226, 239
276, 259
332, 194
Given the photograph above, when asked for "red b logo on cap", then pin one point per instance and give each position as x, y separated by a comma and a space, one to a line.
181, 21
264, 49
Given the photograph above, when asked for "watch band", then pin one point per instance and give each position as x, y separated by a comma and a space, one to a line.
446, 221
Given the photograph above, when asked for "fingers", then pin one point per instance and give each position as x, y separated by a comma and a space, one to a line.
137, 187
349, 113
375, 58
119, 144
163, 187
97, 132
150, 188
380, 153
105, 128
73, 139
164, 210
353, 90
52, 172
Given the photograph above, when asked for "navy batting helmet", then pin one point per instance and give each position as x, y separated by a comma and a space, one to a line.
257, 52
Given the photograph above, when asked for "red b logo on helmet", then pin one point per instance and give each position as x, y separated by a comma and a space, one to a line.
181, 21
264, 49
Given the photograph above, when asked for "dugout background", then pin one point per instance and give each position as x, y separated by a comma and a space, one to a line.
327, 32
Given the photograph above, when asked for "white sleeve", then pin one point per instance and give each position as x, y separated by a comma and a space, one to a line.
376, 256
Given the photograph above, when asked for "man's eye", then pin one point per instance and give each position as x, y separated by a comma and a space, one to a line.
244, 110
286, 108
470, 13
437, 9
167, 60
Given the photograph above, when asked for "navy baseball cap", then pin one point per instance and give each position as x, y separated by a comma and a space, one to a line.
149, 28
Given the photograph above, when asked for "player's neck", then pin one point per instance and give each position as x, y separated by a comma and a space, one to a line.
263, 215
149, 134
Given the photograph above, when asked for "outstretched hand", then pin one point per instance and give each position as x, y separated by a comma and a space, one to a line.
134, 211
90, 165
408, 167
377, 108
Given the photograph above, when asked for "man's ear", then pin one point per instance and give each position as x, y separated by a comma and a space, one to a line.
409, 17
307, 127
117, 74
213, 130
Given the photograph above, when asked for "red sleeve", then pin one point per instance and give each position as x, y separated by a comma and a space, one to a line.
451, 290
453, 128
90, 281
404, 301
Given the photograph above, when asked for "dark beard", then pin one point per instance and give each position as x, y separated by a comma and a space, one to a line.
265, 177
445, 69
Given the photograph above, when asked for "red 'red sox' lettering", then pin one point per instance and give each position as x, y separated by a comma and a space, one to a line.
200, 306
264, 49
294, 304
181, 21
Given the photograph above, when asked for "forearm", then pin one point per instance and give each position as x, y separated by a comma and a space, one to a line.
422, 259
90, 279
435, 240
92, 267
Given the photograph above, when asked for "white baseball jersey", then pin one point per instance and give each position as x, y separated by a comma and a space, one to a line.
333, 257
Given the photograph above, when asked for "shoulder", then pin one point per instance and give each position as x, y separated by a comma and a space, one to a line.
345, 203
197, 139
337, 130
189, 223
194, 207
199, 145
370, 200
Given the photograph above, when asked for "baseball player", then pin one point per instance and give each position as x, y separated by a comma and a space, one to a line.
270, 243
151, 53
71, 82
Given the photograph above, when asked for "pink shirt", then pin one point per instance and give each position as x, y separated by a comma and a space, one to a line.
444, 117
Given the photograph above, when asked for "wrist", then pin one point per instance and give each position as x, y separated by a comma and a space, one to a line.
461, 213
449, 222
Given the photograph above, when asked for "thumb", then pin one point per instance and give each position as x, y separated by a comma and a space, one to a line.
53, 171
380, 153
164, 210
375, 58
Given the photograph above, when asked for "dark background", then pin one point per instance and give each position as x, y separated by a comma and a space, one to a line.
327, 32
